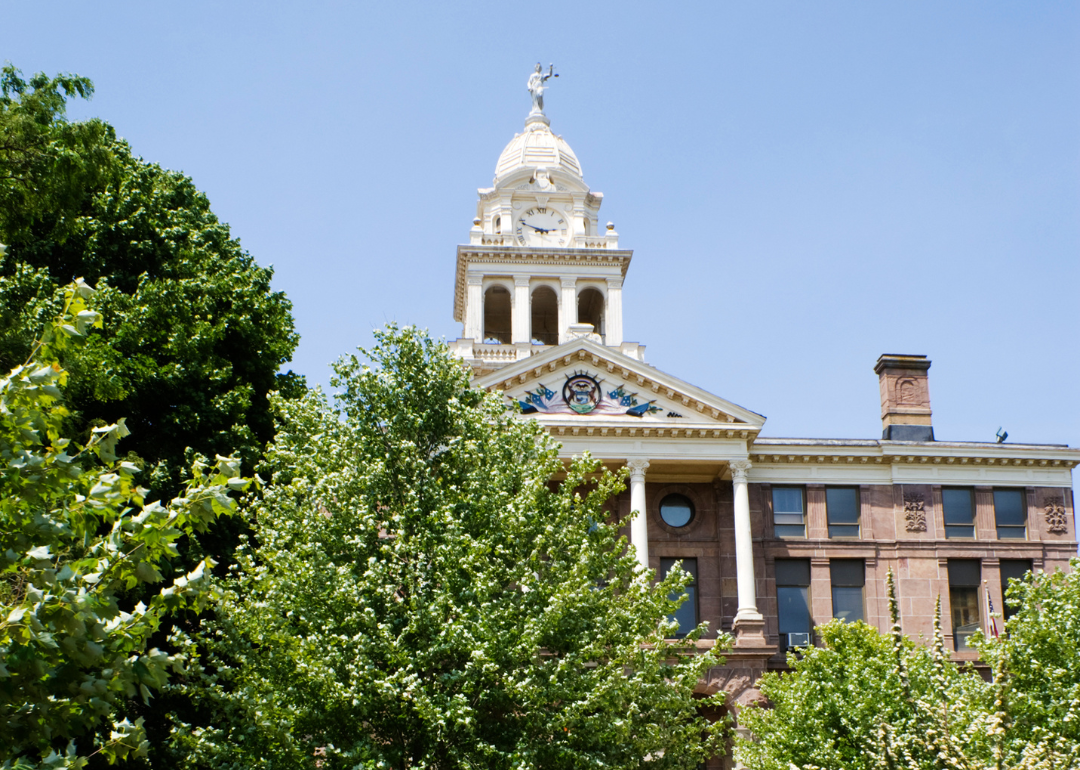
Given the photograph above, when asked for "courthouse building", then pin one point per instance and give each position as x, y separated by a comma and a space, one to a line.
781, 535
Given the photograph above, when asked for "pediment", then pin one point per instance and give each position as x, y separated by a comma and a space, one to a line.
584, 383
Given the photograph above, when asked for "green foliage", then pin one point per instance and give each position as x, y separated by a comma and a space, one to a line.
830, 709
76, 536
865, 700
419, 593
1039, 660
193, 337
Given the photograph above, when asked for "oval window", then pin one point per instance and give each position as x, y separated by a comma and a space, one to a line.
676, 510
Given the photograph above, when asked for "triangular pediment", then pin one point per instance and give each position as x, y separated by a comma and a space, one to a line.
581, 382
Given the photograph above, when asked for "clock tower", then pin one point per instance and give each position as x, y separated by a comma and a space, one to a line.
538, 270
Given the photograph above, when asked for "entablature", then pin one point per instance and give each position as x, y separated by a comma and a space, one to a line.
911, 462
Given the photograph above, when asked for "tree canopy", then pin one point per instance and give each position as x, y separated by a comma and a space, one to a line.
193, 337
76, 535
867, 700
418, 593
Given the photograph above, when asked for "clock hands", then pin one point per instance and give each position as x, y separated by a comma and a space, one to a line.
538, 229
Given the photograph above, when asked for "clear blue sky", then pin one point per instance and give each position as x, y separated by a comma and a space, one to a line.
806, 185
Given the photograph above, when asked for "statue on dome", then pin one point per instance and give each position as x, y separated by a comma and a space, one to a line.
537, 87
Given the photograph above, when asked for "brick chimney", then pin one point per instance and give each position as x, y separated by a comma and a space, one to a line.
905, 398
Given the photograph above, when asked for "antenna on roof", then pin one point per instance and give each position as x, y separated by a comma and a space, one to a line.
1002, 435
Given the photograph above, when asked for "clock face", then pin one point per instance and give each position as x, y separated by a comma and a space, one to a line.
540, 226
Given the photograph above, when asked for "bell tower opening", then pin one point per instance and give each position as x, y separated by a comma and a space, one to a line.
497, 315
590, 309
545, 317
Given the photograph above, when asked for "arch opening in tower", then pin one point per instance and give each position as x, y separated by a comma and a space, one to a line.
545, 317
590, 309
497, 315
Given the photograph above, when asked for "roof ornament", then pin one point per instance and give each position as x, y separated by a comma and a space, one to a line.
536, 88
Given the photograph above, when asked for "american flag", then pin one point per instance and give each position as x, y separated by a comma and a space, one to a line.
990, 611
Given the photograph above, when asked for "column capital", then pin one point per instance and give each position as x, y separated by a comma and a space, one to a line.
522, 280
615, 283
568, 283
739, 470
475, 280
637, 466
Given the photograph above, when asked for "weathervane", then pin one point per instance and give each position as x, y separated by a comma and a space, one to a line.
537, 87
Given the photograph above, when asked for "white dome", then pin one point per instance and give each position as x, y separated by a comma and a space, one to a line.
535, 148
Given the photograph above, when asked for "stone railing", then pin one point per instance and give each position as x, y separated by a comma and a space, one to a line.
505, 354
495, 354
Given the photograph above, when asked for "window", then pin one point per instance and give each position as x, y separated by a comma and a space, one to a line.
842, 511
1009, 514
788, 518
676, 510
687, 614
848, 578
964, 599
1012, 569
959, 509
793, 602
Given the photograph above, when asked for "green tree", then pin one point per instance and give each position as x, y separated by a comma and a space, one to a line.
419, 593
1038, 660
194, 337
865, 700
75, 537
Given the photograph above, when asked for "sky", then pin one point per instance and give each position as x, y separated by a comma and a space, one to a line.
805, 185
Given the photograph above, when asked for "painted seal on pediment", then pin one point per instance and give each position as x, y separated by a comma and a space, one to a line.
581, 393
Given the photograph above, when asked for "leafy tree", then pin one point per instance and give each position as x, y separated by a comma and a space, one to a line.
194, 336
1039, 665
75, 537
418, 593
865, 700
860, 690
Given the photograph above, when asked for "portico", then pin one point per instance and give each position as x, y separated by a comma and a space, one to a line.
672, 438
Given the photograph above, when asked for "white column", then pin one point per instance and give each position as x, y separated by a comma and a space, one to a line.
639, 523
474, 308
613, 337
567, 306
519, 319
744, 544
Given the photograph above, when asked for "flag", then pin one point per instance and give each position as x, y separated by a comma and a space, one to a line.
990, 611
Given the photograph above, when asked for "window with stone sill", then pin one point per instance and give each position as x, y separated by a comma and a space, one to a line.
842, 511
964, 579
958, 508
687, 614
793, 603
1010, 514
789, 511
1011, 569
848, 578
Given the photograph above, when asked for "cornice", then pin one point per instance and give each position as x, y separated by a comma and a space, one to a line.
573, 427
955, 454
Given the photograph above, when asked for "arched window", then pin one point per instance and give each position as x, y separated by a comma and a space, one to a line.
590, 309
545, 317
497, 315
498, 225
